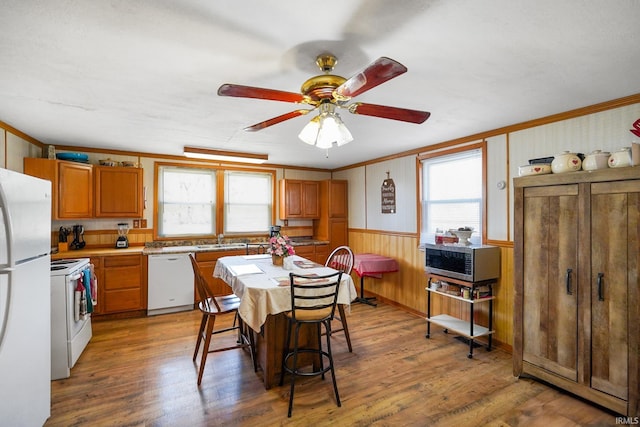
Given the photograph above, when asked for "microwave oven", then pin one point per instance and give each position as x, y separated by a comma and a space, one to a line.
468, 263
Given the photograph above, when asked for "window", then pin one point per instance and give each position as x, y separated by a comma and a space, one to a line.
452, 194
186, 201
248, 204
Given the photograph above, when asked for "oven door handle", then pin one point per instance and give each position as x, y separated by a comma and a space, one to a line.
76, 277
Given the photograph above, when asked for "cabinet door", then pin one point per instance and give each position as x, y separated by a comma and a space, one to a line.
291, 199
310, 196
339, 232
322, 253
118, 192
550, 264
75, 190
338, 199
614, 275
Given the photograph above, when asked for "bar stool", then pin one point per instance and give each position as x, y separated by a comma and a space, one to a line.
313, 302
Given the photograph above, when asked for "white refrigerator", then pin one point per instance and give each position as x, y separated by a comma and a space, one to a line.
25, 299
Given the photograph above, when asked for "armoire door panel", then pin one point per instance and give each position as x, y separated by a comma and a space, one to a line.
550, 291
609, 309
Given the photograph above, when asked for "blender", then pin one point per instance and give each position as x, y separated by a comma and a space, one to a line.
122, 241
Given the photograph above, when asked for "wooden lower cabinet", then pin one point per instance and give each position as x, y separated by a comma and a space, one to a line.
207, 262
306, 251
314, 252
322, 253
577, 284
122, 284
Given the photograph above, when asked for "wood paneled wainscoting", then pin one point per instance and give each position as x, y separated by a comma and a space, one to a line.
406, 288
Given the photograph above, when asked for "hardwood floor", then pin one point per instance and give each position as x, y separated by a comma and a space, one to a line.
139, 372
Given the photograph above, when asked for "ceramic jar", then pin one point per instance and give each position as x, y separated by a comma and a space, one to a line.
620, 158
595, 160
565, 162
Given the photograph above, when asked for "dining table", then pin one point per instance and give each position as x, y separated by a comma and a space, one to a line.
372, 265
265, 296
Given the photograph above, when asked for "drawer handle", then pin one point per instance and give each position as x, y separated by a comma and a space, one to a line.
600, 286
568, 281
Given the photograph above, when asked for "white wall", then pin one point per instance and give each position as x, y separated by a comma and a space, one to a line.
497, 188
607, 131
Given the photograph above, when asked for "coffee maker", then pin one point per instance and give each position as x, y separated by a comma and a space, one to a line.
122, 241
274, 230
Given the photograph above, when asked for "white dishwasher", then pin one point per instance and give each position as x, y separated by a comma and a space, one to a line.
170, 283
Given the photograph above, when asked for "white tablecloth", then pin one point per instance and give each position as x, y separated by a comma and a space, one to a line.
260, 294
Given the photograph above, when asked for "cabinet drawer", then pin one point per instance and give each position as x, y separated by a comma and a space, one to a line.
122, 261
123, 300
122, 278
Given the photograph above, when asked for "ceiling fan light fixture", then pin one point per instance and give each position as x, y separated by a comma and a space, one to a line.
309, 133
230, 156
326, 129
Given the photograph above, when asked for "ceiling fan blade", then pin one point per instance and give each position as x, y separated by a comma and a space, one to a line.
276, 120
385, 112
240, 91
378, 72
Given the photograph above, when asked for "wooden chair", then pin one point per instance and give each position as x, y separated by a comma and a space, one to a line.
341, 258
313, 302
212, 306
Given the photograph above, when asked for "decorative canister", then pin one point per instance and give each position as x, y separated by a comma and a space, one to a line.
277, 260
565, 162
597, 159
620, 158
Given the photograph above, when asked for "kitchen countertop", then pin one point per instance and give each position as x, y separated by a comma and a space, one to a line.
89, 252
134, 250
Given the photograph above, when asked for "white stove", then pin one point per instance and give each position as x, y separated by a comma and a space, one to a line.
70, 323
62, 267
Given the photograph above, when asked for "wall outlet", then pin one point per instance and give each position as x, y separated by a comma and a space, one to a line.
143, 223
136, 223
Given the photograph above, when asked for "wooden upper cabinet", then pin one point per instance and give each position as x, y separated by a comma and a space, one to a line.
310, 205
75, 199
71, 183
119, 192
299, 199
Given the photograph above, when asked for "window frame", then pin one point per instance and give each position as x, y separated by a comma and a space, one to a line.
482, 147
219, 201
223, 189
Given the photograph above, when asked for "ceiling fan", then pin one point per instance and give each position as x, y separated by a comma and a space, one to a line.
326, 92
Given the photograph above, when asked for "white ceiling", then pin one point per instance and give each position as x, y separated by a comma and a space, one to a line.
142, 75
